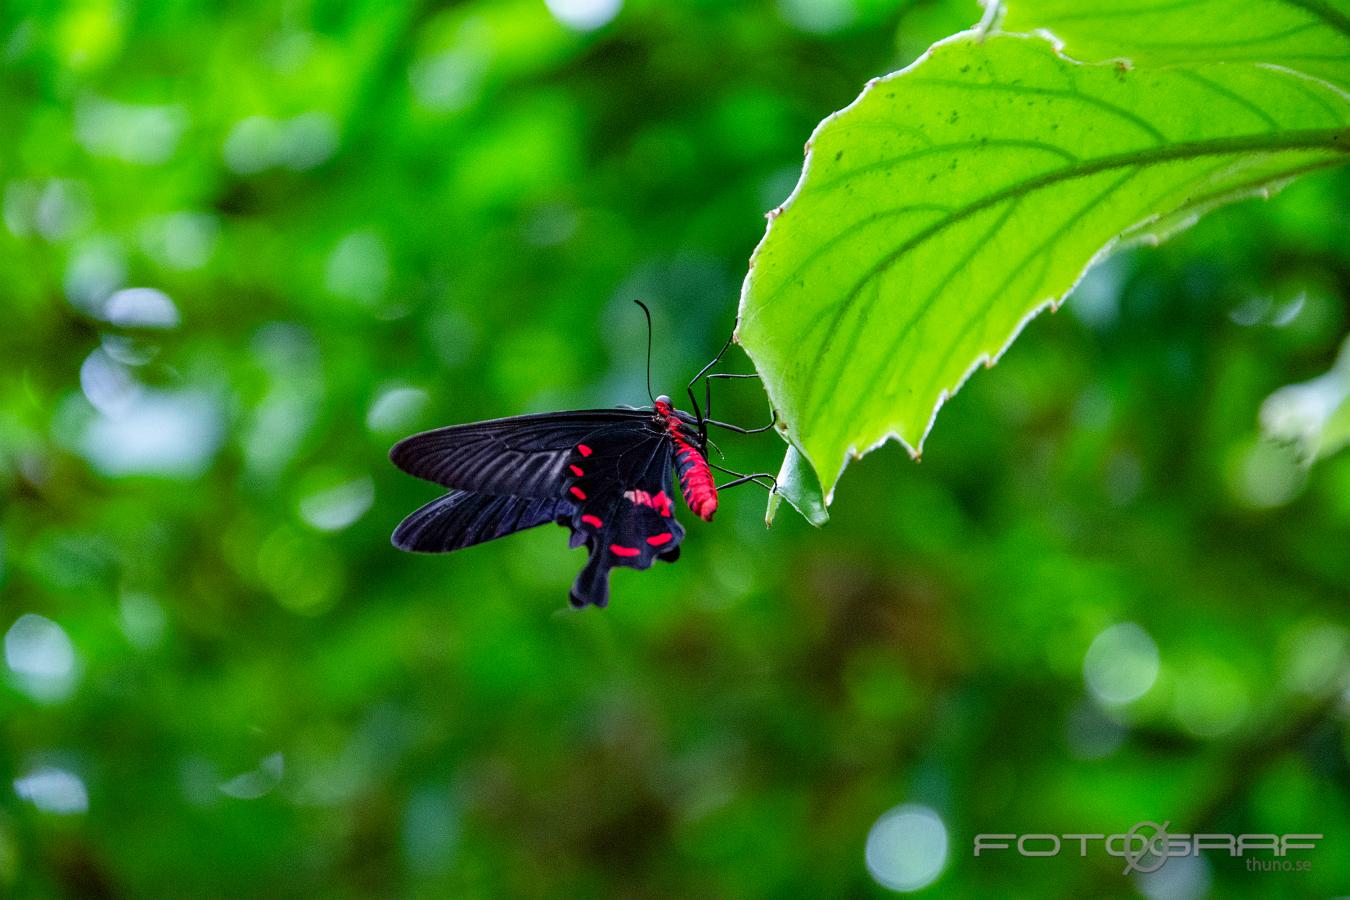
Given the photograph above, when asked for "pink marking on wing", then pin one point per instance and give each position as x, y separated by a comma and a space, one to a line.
623, 551
657, 540
578, 493
576, 470
658, 501
593, 521
584, 450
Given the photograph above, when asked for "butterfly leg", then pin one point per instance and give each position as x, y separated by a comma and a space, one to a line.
712, 362
707, 390
708, 404
707, 394
739, 430
772, 487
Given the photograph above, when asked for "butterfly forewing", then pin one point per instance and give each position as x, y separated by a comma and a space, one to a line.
523, 456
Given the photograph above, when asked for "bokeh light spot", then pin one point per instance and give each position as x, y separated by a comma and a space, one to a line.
107, 384
89, 34
303, 574
174, 434
1264, 475
396, 409
256, 783
449, 81
42, 658
1315, 655
907, 848
63, 209
819, 16
142, 619
146, 135
309, 140
95, 269
20, 208
254, 144
181, 241
258, 143
358, 269
430, 830
140, 308
1090, 734
334, 508
584, 15
53, 790
1121, 664
1180, 878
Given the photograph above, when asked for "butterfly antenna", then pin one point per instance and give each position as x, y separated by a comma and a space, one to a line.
648, 313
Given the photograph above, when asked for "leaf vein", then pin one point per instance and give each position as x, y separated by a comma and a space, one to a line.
1119, 111
1043, 249
1333, 139
934, 149
1233, 96
809, 409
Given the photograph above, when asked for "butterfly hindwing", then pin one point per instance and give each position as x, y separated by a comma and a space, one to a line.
463, 518
622, 490
522, 456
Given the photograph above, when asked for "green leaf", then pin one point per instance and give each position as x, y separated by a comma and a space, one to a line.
798, 485
955, 199
1303, 35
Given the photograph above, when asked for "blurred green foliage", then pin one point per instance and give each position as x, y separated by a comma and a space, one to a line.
342, 222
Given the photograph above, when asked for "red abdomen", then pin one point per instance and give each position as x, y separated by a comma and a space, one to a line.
696, 480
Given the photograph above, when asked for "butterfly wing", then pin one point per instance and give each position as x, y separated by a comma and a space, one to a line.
463, 518
624, 514
605, 474
522, 456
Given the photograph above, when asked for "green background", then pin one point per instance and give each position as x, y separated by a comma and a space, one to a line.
372, 218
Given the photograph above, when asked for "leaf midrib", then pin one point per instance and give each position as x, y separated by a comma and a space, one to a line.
1329, 139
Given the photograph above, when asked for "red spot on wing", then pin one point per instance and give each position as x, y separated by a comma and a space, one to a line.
576, 470
623, 551
593, 521
578, 493
584, 450
657, 540
658, 501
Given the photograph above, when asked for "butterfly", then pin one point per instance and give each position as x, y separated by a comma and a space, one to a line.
605, 474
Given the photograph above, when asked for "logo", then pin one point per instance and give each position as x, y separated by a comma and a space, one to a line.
1147, 846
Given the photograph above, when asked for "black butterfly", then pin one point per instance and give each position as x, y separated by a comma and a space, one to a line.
606, 474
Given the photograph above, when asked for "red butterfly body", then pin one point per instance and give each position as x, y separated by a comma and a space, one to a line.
604, 474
